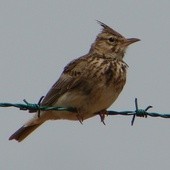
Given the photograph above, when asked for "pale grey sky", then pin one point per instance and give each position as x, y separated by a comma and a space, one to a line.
38, 38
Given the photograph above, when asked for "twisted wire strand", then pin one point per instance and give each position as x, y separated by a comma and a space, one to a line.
31, 107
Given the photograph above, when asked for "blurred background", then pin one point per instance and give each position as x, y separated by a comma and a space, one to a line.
38, 38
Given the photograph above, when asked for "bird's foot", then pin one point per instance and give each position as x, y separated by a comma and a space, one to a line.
102, 115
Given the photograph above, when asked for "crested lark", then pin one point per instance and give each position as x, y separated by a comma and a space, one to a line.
90, 83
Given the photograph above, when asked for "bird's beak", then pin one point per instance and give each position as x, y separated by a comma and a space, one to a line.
130, 41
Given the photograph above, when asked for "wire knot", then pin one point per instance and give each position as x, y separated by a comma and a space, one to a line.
139, 112
33, 107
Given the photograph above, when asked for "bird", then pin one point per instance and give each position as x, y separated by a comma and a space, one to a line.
90, 83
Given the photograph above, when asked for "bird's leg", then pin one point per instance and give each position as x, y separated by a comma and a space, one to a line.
102, 115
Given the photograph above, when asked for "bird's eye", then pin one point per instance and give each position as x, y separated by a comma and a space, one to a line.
111, 39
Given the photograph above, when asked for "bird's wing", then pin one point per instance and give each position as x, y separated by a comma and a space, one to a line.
71, 77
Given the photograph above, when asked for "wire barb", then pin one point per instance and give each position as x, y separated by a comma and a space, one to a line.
139, 112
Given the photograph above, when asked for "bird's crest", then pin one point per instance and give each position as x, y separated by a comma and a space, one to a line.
106, 29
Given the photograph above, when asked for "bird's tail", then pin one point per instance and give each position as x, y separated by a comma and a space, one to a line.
23, 132
30, 126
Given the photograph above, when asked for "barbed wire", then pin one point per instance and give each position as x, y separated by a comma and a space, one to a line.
31, 107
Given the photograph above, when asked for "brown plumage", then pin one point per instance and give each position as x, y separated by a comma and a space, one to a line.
90, 83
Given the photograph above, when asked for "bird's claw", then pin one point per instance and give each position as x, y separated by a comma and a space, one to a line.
80, 118
102, 115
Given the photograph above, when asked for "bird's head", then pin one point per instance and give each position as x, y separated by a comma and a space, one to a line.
110, 43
